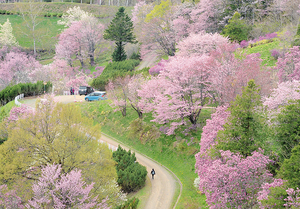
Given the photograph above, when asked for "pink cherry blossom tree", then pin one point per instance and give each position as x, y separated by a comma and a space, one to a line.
212, 127
60, 190
289, 66
232, 181
80, 40
20, 112
179, 92
9, 199
281, 95
16, 68
135, 84
117, 91
201, 43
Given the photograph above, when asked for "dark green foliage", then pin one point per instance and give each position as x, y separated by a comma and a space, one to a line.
114, 70
288, 129
290, 169
119, 53
28, 89
129, 204
242, 131
135, 56
120, 30
131, 175
143, 131
296, 41
236, 30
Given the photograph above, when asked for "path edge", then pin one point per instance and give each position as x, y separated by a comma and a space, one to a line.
176, 178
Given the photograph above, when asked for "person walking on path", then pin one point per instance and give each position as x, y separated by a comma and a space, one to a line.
152, 173
72, 91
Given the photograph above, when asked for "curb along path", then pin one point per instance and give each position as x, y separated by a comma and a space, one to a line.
164, 183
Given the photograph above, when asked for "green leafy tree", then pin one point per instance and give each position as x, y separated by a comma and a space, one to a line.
237, 29
120, 30
290, 169
288, 128
131, 175
242, 132
57, 134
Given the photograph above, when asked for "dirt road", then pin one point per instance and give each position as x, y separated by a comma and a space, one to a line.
162, 186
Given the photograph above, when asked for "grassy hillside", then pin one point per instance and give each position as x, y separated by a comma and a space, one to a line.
48, 28
61, 7
171, 151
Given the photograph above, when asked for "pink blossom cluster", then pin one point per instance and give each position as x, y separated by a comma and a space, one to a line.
232, 181
289, 65
9, 199
20, 112
212, 127
268, 36
16, 67
63, 190
286, 91
155, 70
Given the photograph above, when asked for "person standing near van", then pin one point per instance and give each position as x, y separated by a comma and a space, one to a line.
152, 173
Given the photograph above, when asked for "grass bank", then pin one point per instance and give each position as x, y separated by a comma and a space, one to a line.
176, 152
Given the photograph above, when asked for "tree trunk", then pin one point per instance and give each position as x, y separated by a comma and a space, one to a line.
92, 60
123, 111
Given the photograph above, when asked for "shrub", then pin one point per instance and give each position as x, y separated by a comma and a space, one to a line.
143, 131
131, 175
275, 53
114, 70
237, 29
10, 92
130, 204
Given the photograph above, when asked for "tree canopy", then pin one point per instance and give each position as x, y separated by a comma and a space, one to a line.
120, 30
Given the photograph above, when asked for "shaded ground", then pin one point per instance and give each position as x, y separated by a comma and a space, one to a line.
160, 195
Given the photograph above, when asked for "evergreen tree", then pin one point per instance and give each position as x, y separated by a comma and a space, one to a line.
242, 132
290, 169
288, 129
120, 30
237, 29
131, 174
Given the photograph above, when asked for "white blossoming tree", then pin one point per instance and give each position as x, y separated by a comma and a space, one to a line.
6, 36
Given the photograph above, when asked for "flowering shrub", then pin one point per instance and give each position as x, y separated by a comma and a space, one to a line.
258, 41
155, 70
275, 53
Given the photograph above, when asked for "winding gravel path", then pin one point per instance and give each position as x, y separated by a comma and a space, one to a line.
163, 185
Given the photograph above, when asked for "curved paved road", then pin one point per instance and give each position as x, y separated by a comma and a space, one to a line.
164, 184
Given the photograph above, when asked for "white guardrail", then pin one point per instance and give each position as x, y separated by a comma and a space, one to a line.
21, 96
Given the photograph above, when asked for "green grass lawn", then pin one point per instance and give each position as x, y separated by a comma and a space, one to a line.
47, 30
265, 52
179, 159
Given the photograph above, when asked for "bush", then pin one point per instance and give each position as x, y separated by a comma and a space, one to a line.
131, 175
143, 131
114, 70
237, 29
28, 89
130, 204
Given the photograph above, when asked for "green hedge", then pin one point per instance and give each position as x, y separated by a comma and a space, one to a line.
131, 174
28, 89
114, 70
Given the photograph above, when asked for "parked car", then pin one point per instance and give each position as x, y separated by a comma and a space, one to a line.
85, 90
97, 95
